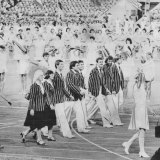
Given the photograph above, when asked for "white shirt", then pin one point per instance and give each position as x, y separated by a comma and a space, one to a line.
149, 70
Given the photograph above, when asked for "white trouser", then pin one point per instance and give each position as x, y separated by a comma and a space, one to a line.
106, 119
80, 117
92, 107
118, 99
63, 113
84, 108
110, 101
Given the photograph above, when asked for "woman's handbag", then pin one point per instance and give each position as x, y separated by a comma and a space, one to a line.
27, 96
157, 130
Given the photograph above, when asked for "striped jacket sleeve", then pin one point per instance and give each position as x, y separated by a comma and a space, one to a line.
49, 91
66, 93
71, 85
59, 84
90, 82
117, 82
33, 92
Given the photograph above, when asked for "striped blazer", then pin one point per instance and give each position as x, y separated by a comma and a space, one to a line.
82, 82
59, 86
73, 84
49, 89
95, 83
119, 78
110, 78
37, 100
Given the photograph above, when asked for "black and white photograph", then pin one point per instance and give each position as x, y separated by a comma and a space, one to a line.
79, 79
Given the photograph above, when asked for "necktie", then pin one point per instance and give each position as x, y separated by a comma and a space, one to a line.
101, 75
61, 75
120, 72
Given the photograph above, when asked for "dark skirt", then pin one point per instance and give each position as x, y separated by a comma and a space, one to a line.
41, 119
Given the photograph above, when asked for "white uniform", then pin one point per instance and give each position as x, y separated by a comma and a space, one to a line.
139, 118
3, 62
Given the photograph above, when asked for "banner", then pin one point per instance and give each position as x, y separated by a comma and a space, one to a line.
38, 3
9, 3
136, 4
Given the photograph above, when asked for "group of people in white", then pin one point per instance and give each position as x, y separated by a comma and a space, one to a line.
27, 42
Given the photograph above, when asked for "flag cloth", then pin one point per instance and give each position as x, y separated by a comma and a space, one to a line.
95, 3
38, 3
136, 4
60, 5
9, 3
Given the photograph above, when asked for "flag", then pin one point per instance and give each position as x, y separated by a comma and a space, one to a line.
136, 4
9, 3
96, 2
60, 5
38, 3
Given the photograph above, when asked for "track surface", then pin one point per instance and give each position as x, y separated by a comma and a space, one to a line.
100, 144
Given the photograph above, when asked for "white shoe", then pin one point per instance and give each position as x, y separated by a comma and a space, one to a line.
89, 127
84, 131
108, 126
91, 121
143, 155
126, 147
72, 136
120, 124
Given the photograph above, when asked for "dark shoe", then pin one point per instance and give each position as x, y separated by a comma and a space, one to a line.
41, 143
35, 136
51, 139
23, 138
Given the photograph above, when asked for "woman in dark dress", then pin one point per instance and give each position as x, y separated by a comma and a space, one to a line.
50, 112
37, 116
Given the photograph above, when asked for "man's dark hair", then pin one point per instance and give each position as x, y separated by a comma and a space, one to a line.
98, 59
108, 58
47, 74
73, 64
129, 39
28, 29
45, 54
58, 62
91, 30
2, 47
80, 61
92, 37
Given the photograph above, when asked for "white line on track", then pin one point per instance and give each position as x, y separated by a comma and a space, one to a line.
14, 107
34, 156
63, 142
14, 125
54, 149
12, 119
97, 144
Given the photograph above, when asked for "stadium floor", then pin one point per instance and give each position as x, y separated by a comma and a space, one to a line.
100, 144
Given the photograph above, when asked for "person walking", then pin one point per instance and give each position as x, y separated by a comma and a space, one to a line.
139, 119
63, 109
73, 85
97, 89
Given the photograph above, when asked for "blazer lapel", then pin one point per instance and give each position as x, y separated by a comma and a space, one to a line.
98, 73
61, 78
109, 71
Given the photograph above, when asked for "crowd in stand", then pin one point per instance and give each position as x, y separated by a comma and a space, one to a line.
103, 56
86, 39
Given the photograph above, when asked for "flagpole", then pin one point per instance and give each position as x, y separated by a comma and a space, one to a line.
125, 7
